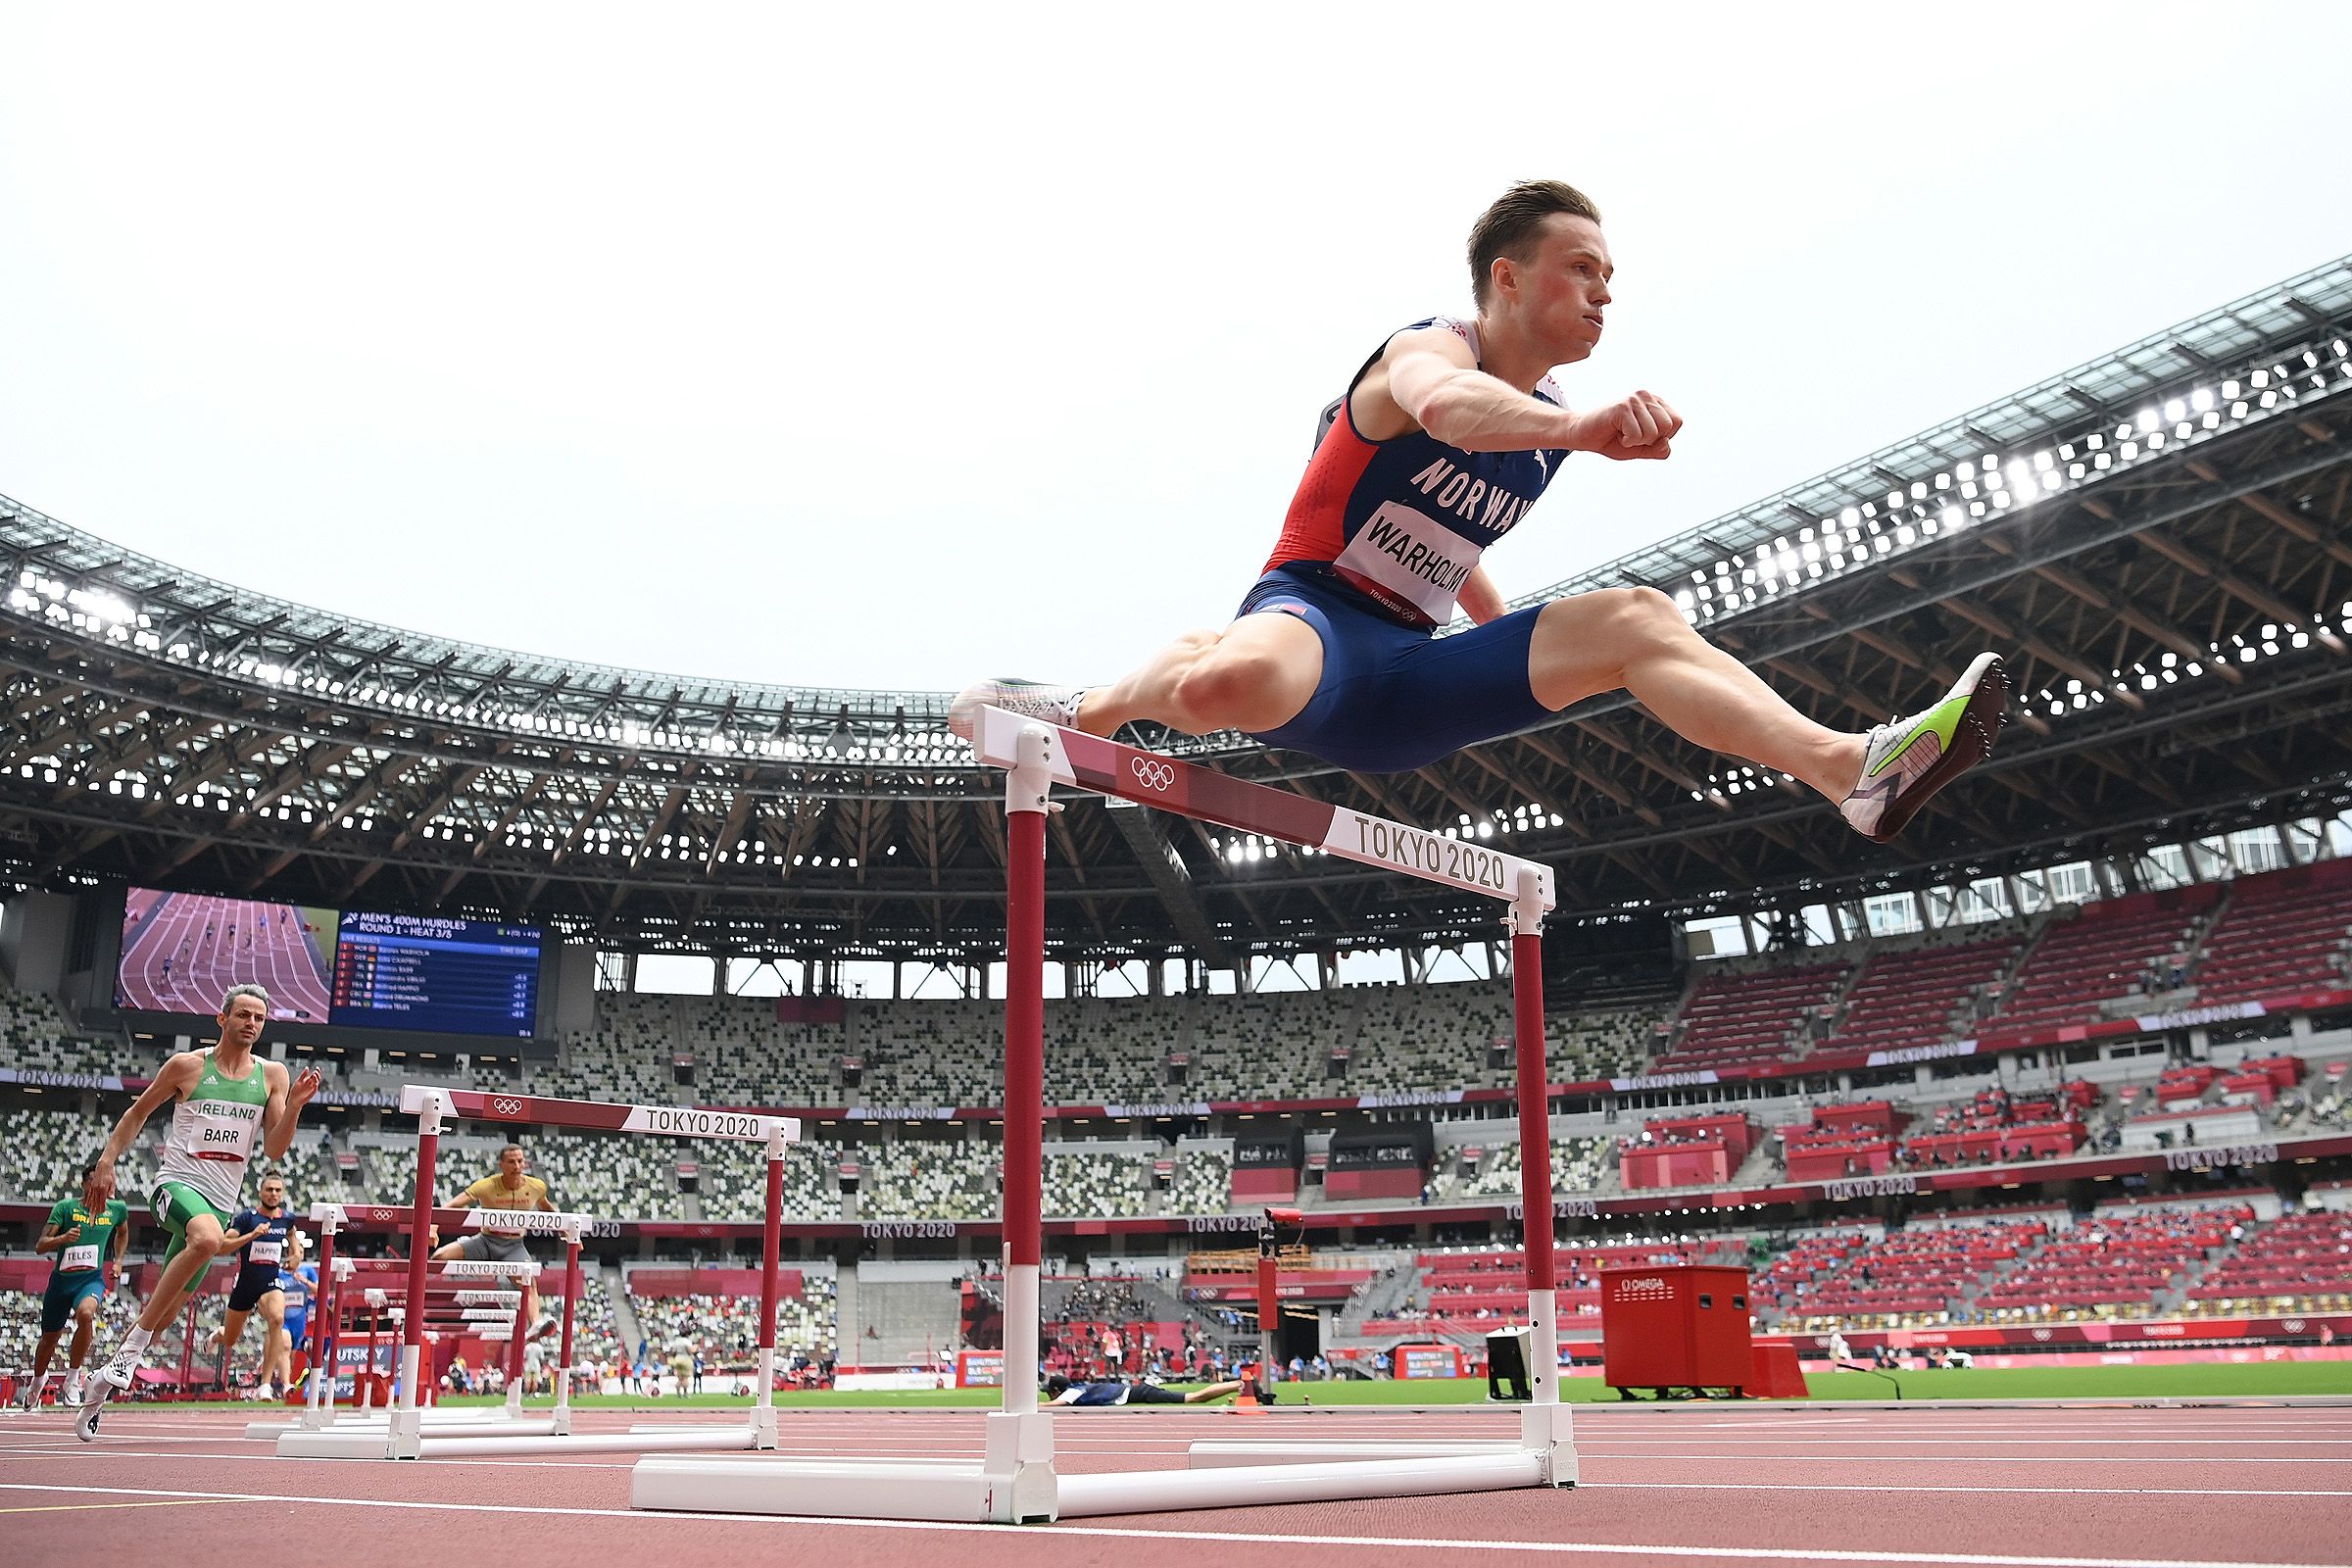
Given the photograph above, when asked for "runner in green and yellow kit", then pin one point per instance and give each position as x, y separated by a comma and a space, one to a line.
228, 1104
80, 1231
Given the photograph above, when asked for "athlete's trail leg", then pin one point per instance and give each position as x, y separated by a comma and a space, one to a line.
1255, 675
1636, 640
85, 1325
203, 1239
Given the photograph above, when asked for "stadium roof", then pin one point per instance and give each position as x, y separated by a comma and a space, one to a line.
2157, 539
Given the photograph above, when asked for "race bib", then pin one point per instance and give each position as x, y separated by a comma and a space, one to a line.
81, 1258
265, 1250
1412, 558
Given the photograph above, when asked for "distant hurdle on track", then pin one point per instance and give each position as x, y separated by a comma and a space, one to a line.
475, 1290
405, 1432
1015, 1480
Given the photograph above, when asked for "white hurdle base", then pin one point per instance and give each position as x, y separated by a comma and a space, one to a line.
1017, 1483
967, 1494
377, 1440
1543, 1434
459, 1439
376, 1420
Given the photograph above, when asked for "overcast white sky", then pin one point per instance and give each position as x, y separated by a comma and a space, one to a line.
893, 349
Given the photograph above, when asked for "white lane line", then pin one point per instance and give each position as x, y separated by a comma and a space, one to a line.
1909, 1490
919, 1452
1742, 1554
1957, 1458
2051, 1443
1914, 1491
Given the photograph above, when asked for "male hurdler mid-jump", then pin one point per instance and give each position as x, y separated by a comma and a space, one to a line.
1446, 437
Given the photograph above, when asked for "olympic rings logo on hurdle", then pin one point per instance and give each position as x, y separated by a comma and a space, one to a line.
504, 1107
1152, 773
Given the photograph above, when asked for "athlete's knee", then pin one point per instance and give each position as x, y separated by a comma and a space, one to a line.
1229, 688
1633, 622
205, 1236
1647, 613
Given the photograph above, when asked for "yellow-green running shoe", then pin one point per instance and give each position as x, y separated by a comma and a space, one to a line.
1911, 759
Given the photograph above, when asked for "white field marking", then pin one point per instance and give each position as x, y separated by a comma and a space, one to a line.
808, 1451
942, 1443
1913, 1490
1237, 1537
1909, 1488
1954, 1459
2054, 1442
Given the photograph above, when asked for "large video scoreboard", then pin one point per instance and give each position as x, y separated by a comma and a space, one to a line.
181, 952
459, 977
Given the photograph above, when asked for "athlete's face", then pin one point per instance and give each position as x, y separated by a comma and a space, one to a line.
274, 1194
241, 1024
512, 1164
1561, 290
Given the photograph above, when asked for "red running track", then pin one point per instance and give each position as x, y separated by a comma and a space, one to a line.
180, 950
2009, 1488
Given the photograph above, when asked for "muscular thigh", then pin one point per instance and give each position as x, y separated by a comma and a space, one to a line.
1580, 646
1282, 654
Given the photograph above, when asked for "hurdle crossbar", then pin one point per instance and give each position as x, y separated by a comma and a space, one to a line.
405, 1434
1015, 1480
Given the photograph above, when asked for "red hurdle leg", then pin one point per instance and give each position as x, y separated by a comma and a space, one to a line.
771, 1240
406, 1424
1269, 1306
1535, 1146
316, 1334
1024, 1091
571, 1296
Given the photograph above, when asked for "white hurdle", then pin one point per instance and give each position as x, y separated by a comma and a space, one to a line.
320, 1412
407, 1431
1016, 1481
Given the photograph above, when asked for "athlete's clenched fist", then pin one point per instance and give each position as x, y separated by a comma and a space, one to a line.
1641, 425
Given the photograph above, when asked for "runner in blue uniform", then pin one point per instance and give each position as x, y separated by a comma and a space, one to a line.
1444, 439
267, 1244
1117, 1390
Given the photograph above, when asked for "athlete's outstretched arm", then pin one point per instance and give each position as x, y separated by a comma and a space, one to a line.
1429, 379
287, 1095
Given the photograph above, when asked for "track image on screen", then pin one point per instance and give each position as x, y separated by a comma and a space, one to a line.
407, 971
180, 950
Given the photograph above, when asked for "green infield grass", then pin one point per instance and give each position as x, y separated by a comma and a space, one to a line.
2193, 1381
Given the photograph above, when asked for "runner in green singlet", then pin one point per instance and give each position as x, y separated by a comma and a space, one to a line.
227, 1103
80, 1231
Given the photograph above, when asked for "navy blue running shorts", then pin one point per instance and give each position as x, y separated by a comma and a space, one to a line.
1393, 698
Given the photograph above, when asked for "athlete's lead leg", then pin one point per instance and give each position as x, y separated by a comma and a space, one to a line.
1635, 639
